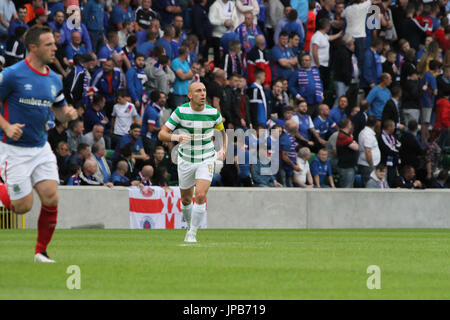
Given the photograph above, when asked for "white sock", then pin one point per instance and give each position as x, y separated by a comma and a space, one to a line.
198, 212
187, 212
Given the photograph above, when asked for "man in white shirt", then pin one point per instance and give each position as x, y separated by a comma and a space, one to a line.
369, 152
355, 17
320, 50
123, 115
303, 178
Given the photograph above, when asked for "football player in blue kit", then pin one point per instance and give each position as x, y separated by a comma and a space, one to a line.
29, 91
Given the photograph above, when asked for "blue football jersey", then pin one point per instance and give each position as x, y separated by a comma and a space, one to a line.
27, 97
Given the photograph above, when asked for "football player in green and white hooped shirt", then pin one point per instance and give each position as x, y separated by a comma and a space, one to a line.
196, 155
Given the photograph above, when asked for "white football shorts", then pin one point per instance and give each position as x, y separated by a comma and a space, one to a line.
188, 172
22, 168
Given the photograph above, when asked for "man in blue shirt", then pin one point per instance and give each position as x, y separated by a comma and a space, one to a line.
136, 78
379, 95
283, 59
321, 169
113, 47
19, 22
107, 80
28, 91
133, 137
151, 121
120, 13
169, 34
119, 178
183, 74
167, 9
323, 124
305, 83
372, 67
428, 85
93, 18
74, 48
288, 156
247, 32
338, 112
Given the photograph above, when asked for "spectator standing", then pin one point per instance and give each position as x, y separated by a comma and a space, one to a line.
433, 154
347, 154
346, 71
160, 75
369, 152
443, 116
411, 151
321, 170
93, 18
151, 121
275, 100
19, 22
339, 112
288, 155
379, 95
283, 59
390, 150
247, 32
108, 80
360, 119
167, 9
323, 124
428, 86
96, 114
295, 26
371, 67
233, 62
7, 13
257, 58
222, 13
320, 50
121, 12
183, 74
123, 115
135, 80
111, 48
247, 6
305, 83
258, 103
411, 97
391, 110
145, 14
201, 26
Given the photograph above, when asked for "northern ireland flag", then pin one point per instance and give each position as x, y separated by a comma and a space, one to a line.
157, 208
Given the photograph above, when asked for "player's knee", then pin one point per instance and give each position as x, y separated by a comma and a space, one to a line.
186, 201
51, 199
200, 197
22, 207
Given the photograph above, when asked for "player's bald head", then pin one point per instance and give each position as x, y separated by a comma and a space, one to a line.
194, 86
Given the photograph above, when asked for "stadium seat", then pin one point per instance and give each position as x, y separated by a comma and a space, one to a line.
109, 154
313, 156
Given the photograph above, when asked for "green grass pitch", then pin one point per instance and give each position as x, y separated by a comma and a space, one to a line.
229, 264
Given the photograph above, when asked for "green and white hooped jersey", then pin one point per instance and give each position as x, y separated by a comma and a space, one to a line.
200, 126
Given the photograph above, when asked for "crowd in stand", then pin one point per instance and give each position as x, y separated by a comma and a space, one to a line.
358, 99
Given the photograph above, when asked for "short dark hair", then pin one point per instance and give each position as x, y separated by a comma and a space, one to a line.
322, 23
33, 34
292, 15
139, 55
131, 40
283, 34
443, 175
434, 65
388, 123
344, 123
97, 98
396, 91
122, 93
371, 121
82, 147
412, 125
134, 126
258, 71
154, 96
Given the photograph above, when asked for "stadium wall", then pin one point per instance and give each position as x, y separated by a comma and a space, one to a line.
268, 208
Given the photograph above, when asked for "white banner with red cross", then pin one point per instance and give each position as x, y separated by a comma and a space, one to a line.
157, 208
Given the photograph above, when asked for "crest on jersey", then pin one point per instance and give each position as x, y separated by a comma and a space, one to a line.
53, 88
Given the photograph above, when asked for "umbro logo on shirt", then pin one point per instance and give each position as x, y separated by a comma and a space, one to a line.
28, 87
